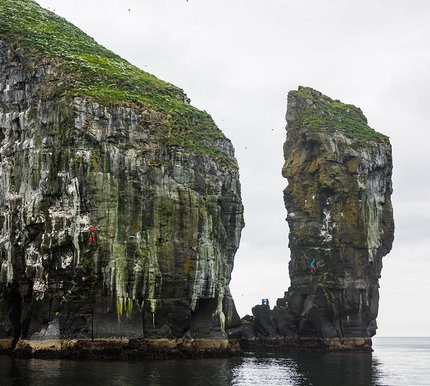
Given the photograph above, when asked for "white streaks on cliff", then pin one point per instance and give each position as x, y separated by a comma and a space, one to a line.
376, 185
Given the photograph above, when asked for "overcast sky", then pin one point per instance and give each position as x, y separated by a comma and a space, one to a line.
237, 59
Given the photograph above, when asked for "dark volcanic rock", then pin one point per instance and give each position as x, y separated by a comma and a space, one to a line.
120, 203
263, 321
341, 218
339, 213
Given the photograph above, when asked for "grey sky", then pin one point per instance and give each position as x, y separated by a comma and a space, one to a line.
237, 59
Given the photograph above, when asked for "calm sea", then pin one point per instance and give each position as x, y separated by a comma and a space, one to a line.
395, 361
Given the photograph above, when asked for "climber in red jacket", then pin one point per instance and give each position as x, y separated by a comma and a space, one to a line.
92, 235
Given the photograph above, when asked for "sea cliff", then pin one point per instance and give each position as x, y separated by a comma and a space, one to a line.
121, 207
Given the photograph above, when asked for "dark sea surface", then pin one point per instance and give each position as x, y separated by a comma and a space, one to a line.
395, 361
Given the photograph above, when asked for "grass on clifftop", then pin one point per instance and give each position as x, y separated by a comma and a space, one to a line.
96, 72
320, 112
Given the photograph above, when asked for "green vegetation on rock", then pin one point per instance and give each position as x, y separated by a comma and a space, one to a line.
93, 71
320, 112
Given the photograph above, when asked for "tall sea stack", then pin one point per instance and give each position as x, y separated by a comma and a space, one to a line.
339, 214
341, 225
120, 203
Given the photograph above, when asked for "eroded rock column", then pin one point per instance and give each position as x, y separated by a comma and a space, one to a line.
340, 215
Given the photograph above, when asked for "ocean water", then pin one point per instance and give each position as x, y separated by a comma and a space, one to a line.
395, 361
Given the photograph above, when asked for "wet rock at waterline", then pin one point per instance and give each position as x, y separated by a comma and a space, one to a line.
120, 203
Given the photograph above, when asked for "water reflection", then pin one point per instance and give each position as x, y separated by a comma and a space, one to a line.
268, 371
36, 372
292, 369
308, 369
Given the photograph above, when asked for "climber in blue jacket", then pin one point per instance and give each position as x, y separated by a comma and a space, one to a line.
312, 268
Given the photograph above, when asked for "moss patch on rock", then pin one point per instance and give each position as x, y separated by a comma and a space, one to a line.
322, 113
93, 71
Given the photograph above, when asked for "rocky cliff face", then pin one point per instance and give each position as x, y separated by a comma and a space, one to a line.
153, 176
341, 225
339, 213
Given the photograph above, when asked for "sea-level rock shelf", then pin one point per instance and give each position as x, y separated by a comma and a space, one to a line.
124, 349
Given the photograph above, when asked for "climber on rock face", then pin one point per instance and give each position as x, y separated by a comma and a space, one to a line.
92, 234
312, 267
